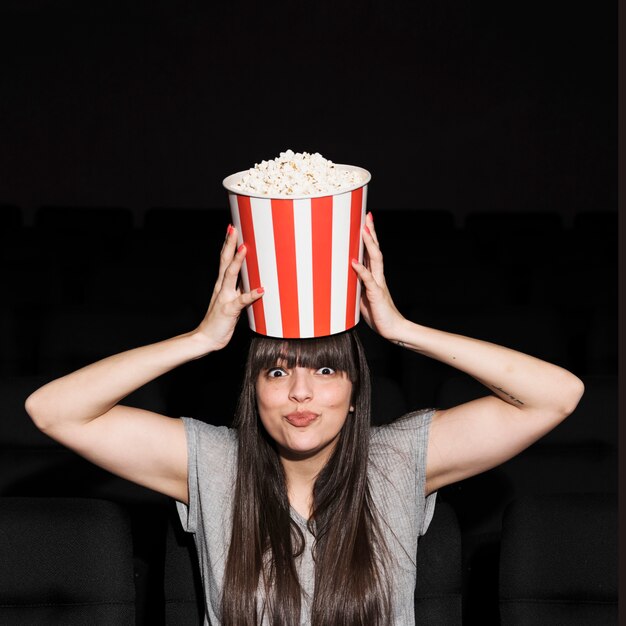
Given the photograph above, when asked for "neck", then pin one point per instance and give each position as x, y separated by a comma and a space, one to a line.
302, 470
301, 474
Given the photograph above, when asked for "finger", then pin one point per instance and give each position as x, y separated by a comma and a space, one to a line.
369, 222
231, 273
374, 255
231, 232
248, 298
243, 300
369, 281
226, 255
223, 264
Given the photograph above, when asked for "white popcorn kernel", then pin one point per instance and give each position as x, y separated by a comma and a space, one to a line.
299, 173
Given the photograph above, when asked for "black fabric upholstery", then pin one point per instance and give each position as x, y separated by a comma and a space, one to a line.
186, 220
95, 219
184, 599
388, 401
72, 337
65, 561
558, 560
439, 572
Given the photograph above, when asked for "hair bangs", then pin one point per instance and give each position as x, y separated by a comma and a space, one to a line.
336, 351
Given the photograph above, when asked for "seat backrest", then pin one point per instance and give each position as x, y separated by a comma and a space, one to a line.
558, 560
65, 561
87, 219
388, 401
184, 598
438, 592
74, 337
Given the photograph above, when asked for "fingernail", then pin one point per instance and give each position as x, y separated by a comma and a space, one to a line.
371, 216
229, 229
241, 247
367, 230
260, 290
354, 261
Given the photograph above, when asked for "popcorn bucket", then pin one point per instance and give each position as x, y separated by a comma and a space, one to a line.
299, 248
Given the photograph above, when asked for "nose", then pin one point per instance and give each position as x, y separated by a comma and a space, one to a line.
301, 388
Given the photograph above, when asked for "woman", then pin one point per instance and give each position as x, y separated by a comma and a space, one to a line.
302, 514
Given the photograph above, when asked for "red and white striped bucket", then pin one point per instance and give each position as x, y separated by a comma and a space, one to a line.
299, 248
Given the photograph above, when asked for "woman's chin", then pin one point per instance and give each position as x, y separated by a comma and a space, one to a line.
302, 450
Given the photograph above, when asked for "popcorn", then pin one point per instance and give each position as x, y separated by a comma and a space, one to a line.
298, 174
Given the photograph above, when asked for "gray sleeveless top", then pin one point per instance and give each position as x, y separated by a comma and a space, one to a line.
397, 476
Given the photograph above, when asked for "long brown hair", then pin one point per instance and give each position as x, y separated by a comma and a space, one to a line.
351, 588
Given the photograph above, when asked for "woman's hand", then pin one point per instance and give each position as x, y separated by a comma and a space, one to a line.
377, 306
227, 300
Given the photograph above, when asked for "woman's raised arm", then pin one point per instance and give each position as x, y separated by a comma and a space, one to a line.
82, 410
530, 396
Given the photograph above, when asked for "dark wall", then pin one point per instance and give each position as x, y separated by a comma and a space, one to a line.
452, 105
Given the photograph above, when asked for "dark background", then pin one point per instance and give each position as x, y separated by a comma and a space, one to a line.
451, 105
490, 131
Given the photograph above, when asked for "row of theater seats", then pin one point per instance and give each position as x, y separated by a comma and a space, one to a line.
86, 240
522, 277
139, 278
578, 457
89, 238
70, 561
159, 218
65, 338
80, 287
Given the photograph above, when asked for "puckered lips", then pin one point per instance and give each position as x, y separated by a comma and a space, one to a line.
300, 419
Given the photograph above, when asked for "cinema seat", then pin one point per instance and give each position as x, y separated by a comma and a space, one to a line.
438, 594
558, 561
184, 600
65, 561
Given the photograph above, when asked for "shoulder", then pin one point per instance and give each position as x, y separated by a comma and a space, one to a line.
407, 427
207, 437
403, 441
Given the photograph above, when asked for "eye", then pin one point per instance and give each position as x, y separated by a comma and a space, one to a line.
325, 371
276, 372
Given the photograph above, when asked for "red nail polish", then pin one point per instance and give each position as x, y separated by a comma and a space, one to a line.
354, 261
371, 216
260, 290
367, 230
241, 247
229, 229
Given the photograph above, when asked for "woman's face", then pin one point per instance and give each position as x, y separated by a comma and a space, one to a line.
303, 409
